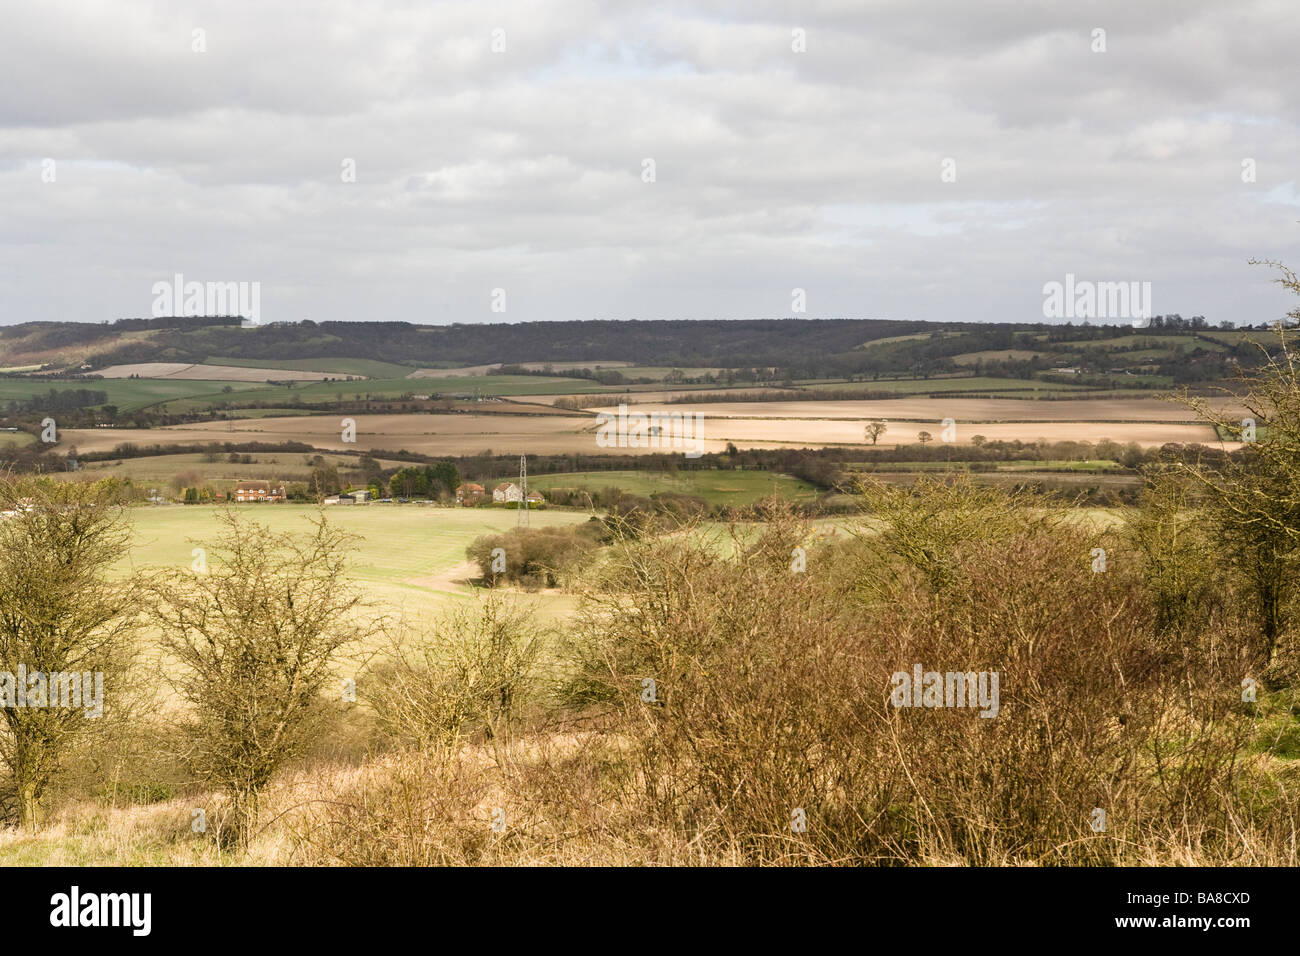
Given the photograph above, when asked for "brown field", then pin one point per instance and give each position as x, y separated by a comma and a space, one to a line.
469, 370
748, 425
803, 432
771, 424
428, 434
650, 393
937, 409
211, 373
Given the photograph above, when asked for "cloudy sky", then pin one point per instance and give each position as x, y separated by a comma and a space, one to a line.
504, 145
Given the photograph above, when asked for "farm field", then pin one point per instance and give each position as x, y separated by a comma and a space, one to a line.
127, 394
477, 370
215, 373
409, 558
396, 387
936, 409
961, 383
1091, 466
429, 434
767, 424
802, 432
369, 368
1147, 421
282, 466
715, 486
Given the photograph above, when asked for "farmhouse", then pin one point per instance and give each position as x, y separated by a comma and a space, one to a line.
258, 491
469, 493
535, 498
506, 492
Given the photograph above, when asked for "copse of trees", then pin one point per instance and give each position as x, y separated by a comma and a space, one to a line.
57, 400
412, 481
536, 557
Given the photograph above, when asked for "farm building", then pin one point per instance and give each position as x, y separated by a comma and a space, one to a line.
506, 492
535, 498
258, 491
470, 493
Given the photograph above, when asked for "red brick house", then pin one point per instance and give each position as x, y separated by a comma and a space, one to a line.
258, 491
469, 493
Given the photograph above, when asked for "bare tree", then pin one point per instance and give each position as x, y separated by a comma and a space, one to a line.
256, 638
873, 431
66, 625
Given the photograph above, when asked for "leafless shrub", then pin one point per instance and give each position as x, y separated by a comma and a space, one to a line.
255, 639
60, 613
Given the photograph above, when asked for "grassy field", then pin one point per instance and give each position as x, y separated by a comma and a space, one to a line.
395, 388
132, 394
407, 556
716, 487
284, 466
128, 394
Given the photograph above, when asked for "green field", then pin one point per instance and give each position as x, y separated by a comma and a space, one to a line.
716, 487
282, 466
128, 394
393, 389
185, 395
402, 550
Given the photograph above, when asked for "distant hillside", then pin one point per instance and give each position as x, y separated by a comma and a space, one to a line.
1172, 350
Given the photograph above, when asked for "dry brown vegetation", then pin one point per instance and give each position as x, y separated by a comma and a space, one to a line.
771, 698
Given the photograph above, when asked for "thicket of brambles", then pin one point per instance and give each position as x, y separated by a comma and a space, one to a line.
722, 694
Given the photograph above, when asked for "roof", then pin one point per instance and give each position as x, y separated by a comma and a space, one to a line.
252, 486
471, 486
505, 486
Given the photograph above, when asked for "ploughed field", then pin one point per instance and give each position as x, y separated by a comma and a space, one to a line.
1146, 421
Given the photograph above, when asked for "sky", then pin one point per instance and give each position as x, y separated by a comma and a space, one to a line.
486, 161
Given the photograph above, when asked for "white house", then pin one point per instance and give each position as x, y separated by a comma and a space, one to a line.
506, 492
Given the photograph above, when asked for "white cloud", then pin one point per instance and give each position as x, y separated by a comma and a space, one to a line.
522, 169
